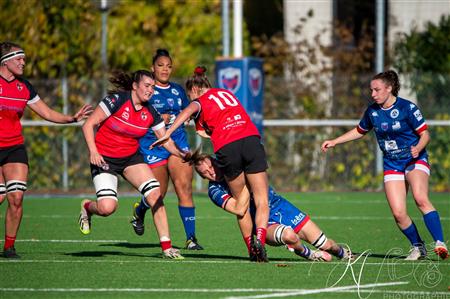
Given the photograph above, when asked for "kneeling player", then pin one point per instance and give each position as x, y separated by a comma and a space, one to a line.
287, 224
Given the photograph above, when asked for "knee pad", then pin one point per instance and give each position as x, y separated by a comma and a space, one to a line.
105, 186
15, 185
320, 242
146, 187
2, 189
278, 234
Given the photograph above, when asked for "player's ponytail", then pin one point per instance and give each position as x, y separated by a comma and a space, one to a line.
389, 78
198, 79
124, 82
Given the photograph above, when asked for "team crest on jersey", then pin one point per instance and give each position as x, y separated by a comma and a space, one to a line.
230, 79
170, 102
255, 79
19, 86
396, 125
155, 92
418, 115
143, 115
374, 113
174, 91
394, 113
384, 126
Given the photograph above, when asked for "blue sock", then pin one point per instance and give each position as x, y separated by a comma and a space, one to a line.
433, 223
142, 208
413, 235
187, 215
340, 254
306, 252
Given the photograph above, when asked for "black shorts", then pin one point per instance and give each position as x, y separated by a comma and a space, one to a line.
13, 154
116, 166
244, 155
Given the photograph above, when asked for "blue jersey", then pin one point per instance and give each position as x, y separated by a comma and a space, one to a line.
281, 211
397, 128
166, 100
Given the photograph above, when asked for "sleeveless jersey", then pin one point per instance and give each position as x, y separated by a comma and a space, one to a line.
15, 95
118, 135
223, 118
166, 100
397, 128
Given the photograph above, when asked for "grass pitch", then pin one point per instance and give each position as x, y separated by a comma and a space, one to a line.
112, 262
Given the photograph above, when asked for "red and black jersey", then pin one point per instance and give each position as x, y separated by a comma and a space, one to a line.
223, 117
14, 97
118, 135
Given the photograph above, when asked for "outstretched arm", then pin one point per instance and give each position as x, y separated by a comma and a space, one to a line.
191, 109
346, 137
170, 145
44, 111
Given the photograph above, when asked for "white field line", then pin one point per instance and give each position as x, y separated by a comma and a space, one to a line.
71, 241
152, 260
173, 290
229, 217
406, 294
319, 291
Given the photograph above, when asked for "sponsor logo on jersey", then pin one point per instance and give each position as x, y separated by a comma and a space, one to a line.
126, 114
255, 79
390, 145
394, 113
155, 92
374, 113
170, 102
418, 115
174, 91
230, 79
237, 117
179, 102
110, 101
384, 126
298, 218
396, 125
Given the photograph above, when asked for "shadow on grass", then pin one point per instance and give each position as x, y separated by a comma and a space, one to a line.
132, 245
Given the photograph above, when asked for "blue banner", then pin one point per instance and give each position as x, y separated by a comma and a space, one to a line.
245, 78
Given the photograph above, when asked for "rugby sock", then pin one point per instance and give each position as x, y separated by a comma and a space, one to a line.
305, 253
187, 215
433, 223
413, 235
248, 242
165, 243
261, 235
142, 208
340, 254
9, 242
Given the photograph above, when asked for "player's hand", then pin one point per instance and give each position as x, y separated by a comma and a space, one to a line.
97, 159
414, 151
187, 156
83, 113
160, 141
327, 144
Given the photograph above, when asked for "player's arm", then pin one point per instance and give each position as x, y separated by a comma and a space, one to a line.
240, 205
346, 137
96, 118
170, 145
191, 109
423, 141
44, 111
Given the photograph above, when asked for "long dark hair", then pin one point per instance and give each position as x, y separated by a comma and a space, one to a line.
124, 82
198, 79
5, 47
389, 78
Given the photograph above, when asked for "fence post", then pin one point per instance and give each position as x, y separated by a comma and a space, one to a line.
65, 147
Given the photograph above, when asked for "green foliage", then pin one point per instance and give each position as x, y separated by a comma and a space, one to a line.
424, 56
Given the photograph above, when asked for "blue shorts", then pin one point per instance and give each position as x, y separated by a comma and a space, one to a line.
159, 155
395, 170
287, 214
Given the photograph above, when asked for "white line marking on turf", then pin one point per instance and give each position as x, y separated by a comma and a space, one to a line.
318, 291
158, 261
413, 294
185, 290
72, 241
374, 218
